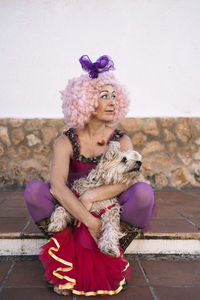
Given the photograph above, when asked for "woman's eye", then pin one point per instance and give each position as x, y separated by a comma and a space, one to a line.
104, 96
113, 96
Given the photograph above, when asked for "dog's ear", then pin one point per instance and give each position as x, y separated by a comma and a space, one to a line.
112, 150
114, 146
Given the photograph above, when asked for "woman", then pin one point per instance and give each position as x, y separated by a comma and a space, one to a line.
91, 103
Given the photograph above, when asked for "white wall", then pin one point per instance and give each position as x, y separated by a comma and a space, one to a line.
155, 45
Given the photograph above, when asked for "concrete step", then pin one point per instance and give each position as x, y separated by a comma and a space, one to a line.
185, 243
175, 229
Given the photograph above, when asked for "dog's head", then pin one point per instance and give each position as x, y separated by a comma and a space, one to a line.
119, 167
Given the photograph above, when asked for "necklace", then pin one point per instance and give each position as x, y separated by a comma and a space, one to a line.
101, 143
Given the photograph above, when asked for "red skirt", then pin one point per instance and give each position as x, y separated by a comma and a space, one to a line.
73, 262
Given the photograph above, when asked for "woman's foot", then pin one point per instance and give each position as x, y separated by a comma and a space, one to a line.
61, 292
124, 286
131, 232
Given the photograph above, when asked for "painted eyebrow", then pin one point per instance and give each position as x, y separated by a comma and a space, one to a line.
107, 91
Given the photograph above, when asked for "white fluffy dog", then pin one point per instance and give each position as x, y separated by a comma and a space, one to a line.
114, 167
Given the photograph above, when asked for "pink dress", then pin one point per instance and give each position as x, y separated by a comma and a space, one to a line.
71, 259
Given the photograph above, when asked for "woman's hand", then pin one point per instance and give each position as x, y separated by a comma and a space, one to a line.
94, 229
85, 200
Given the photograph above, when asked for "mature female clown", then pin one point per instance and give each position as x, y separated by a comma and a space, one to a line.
91, 104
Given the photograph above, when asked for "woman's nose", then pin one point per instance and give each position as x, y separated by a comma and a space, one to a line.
112, 102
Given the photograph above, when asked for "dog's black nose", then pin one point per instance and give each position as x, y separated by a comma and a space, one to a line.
139, 163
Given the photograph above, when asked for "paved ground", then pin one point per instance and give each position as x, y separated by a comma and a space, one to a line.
163, 280
179, 211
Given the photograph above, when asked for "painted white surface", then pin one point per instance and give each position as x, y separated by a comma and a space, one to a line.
155, 46
32, 246
164, 247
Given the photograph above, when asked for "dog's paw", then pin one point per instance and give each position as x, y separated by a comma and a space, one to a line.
111, 251
59, 220
57, 227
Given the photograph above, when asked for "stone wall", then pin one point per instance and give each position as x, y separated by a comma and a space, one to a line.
170, 149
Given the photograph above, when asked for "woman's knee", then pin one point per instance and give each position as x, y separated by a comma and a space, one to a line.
144, 193
33, 191
143, 189
140, 193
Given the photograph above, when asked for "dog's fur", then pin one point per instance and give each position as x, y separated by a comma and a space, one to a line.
114, 167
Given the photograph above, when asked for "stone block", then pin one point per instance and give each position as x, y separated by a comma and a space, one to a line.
4, 136
150, 127
160, 180
162, 162
168, 135
34, 124
197, 141
185, 155
31, 165
24, 151
183, 130
147, 168
14, 169
49, 134
3, 164
152, 147
56, 122
3, 122
167, 122
197, 155
17, 136
45, 164
196, 123
33, 140
41, 150
131, 125
1, 150
16, 122
172, 147
138, 140
13, 154
182, 177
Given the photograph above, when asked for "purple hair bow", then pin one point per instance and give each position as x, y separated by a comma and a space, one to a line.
103, 64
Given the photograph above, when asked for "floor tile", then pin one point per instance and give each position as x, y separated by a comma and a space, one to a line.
30, 293
172, 226
166, 212
4, 267
178, 198
177, 293
15, 201
167, 194
192, 211
7, 195
32, 228
137, 278
10, 212
196, 221
26, 273
166, 273
194, 192
12, 224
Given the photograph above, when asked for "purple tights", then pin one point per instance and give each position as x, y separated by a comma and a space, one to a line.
137, 202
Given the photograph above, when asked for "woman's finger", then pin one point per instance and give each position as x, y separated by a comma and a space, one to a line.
79, 224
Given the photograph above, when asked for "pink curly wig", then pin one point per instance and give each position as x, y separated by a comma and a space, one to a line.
81, 97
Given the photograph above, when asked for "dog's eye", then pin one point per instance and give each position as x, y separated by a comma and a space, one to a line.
124, 159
